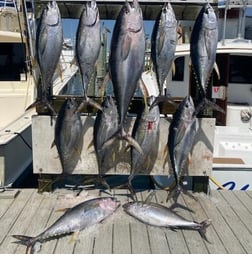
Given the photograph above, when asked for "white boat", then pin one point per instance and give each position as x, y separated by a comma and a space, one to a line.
18, 77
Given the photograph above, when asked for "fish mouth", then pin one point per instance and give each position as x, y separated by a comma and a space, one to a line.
127, 205
117, 202
131, 5
208, 8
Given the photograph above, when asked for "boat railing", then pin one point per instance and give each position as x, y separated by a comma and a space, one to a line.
227, 5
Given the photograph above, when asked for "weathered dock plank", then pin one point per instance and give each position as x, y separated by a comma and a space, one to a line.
225, 233
121, 229
245, 199
139, 238
238, 228
213, 243
229, 232
9, 219
158, 241
239, 208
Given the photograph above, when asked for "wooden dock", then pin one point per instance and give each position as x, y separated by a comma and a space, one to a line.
29, 213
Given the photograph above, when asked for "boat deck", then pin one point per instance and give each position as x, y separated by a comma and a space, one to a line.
230, 231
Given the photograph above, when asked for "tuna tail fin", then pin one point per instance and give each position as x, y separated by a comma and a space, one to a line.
44, 103
121, 134
162, 98
28, 241
207, 103
88, 101
202, 230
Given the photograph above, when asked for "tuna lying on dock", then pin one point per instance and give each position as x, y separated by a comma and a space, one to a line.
160, 216
75, 219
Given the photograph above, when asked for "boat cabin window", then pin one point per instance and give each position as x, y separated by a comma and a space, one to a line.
240, 69
179, 69
12, 61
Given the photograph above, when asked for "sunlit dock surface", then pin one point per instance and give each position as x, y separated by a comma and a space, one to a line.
29, 213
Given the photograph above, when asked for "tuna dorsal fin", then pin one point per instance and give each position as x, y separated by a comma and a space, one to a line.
126, 45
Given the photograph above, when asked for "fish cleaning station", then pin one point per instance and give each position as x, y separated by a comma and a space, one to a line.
124, 160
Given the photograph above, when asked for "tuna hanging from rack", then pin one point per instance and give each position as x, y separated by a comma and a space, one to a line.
127, 60
146, 132
203, 46
105, 126
69, 135
49, 40
88, 43
181, 136
163, 43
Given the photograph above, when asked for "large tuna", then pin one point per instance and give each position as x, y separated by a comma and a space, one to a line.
146, 133
75, 219
49, 40
163, 43
69, 135
203, 45
105, 126
160, 216
127, 58
88, 42
182, 131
